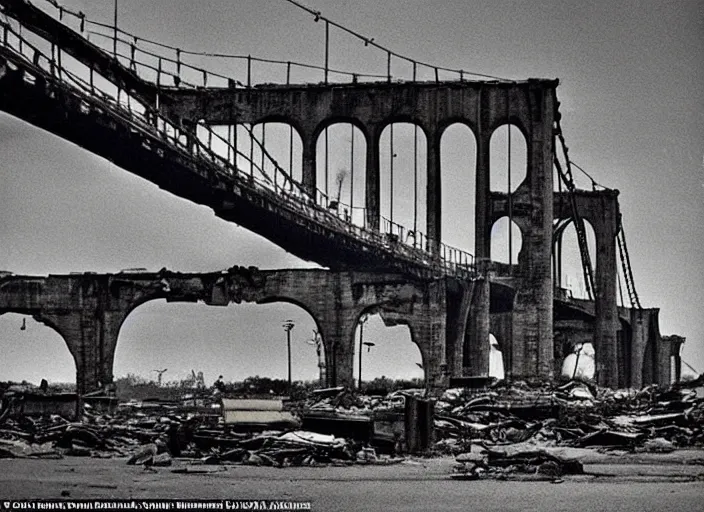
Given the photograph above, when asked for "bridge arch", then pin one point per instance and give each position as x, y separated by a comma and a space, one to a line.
506, 245
449, 122
508, 158
567, 261
458, 161
395, 351
341, 168
339, 119
34, 349
218, 340
403, 177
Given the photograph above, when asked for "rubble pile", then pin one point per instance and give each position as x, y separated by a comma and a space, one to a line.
479, 427
497, 431
156, 435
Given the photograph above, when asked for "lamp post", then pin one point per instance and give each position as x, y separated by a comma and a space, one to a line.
362, 321
288, 325
317, 343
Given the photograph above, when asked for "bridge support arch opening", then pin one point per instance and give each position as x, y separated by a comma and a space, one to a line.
458, 188
35, 350
403, 175
496, 359
506, 241
508, 154
236, 341
341, 163
567, 261
388, 352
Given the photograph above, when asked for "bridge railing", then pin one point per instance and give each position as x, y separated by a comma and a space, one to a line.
146, 119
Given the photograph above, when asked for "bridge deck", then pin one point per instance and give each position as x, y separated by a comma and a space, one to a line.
152, 147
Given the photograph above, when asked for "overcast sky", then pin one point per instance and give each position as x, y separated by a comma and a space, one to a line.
632, 101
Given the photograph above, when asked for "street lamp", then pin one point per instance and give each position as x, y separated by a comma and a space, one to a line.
369, 345
288, 325
317, 343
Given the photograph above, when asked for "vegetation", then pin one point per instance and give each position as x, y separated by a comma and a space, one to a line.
139, 388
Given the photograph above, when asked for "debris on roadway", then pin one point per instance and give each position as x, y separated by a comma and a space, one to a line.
500, 430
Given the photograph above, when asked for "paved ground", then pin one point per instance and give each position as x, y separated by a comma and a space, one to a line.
613, 483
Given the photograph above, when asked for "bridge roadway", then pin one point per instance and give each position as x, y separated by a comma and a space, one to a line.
161, 146
164, 149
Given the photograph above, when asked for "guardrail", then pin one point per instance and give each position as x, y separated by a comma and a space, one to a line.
394, 238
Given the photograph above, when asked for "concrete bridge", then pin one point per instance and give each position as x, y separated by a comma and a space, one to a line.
451, 304
88, 310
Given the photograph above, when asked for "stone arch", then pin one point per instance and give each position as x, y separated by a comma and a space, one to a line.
222, 353
342, 182
47, 356
458, 161
567, 264
380, 325
403, 207
336, 119
500, 240
499, 161
448, 122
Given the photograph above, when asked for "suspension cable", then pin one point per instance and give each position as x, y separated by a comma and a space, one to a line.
626, 265
370, 42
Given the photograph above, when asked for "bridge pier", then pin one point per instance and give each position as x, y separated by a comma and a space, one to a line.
477, 335
91, 337
605, 224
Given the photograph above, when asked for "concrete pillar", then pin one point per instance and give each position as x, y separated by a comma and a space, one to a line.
433, 193
638, 342
459, 299
482, 217
309, 163
533, 305
479, 329
372, 180
91, 337
338, 341
428, 327
605, 305
665, 361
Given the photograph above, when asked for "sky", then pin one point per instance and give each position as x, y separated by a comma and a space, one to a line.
630, 76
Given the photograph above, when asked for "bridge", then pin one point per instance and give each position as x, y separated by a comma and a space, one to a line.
148, 118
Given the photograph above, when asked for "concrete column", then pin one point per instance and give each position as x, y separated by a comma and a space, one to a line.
433, 192
533, 305
338, 340
372, 180
664, 361
309, 163
428, 334
482, 217
458, 309
638, 342
479, 329
605, 306
91, 338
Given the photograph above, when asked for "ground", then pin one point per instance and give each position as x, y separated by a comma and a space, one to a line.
624, 483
